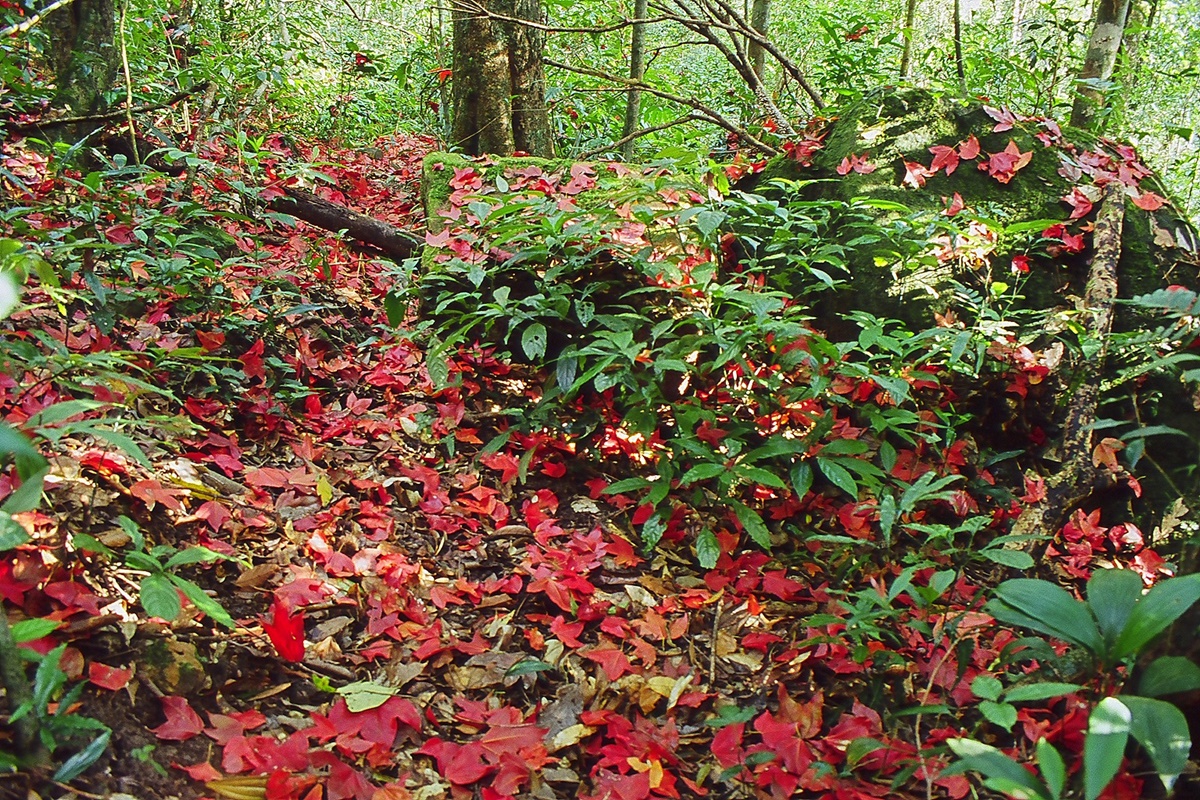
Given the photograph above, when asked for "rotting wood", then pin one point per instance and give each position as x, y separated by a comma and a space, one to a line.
1076, 479
392, 241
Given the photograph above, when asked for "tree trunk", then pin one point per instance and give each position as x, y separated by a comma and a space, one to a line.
499, 82
760, 14
959, 65
910, 16
637, 68
1105, 42
84, 58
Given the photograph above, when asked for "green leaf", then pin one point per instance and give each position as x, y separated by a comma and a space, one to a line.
1162, 731
1002, 714
77, 764
1169, 675
28, 630
27, 496
528, 666
365, 695
159, 597
708, 550
193, 555
627, 485
652, 530
1005, 557
753, 524
1054, 770
802, 479
1104, 745
202, 601
1033, 692
122, 442
565, 369
986, 687
395, 308
759, 476
533, 341
1002, 773
702, 472
887, 517
1047, 608
12, 533
838, 476
83, 541
708, 221
1112, 595
1161, 606
64, 410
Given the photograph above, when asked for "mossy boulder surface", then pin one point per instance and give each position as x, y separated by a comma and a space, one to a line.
892, 130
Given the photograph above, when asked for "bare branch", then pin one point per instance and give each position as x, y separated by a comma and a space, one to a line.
477, 9
21, 27
706, 112
109, 116
619, 143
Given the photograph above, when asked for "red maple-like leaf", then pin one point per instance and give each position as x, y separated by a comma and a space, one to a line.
1004, 165
182, 722
461, 764
953, 205
1080, 202
613, 661
915, 174
944, 157
1005, 119
107, 677
286, 631
969, 149
1149, 201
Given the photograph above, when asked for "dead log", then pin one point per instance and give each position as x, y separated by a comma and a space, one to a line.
393, 242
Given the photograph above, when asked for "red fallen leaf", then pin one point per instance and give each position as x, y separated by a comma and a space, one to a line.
103, 462
954, 206
252, 363
1005, 119
612, 661
858, 163
106, 677
119, 234
567, 632
1080, 203
726, 745
969, 150
1004, 165
210, 340
202, 772
1020, 264
286, 631
182, 722
459, 764
214, 514
152, 492
944, 157
915, 174
1106, 453
777, 582
229, 726
1149, 201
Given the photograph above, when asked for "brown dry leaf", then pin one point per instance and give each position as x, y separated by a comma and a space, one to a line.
568, 736
256, 576
240, 787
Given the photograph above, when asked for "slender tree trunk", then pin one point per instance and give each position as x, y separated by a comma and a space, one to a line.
1103, 46
1018, 17
910, 16
637, 68
959, 65
760, 17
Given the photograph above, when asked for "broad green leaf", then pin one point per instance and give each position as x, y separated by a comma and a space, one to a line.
12, 533
1162, 731
82, 541
627, 485
28, 630
702, 472
1169, 675
565, 369
1104, 745
122, 442
1112, 595
652, 531
365, 695
64, 410
159, 597
708, 550
1003, 715
10, 293
802, 478
1002, 773
1046, 608
1014, 559
986, 687
887, 517
838, 476
193, 555
27, 496
1033, 692
202, 601
753, 524
1161, 606
760, 476
1054, 770
533, 341
77, 764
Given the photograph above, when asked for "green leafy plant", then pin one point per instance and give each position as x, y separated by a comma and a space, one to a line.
160, 588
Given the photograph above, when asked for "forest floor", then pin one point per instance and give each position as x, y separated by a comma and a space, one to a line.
414, 614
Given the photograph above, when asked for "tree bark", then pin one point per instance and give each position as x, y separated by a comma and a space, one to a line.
760, 16
637, 68
910, 16
1103, 46
499, 81
959, 65
84, 59
392, 241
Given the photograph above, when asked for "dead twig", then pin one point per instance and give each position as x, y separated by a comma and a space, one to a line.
108, 116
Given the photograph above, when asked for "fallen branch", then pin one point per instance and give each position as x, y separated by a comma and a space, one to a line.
619, 143
1076, 478
108, 116
21, 27
392, 241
